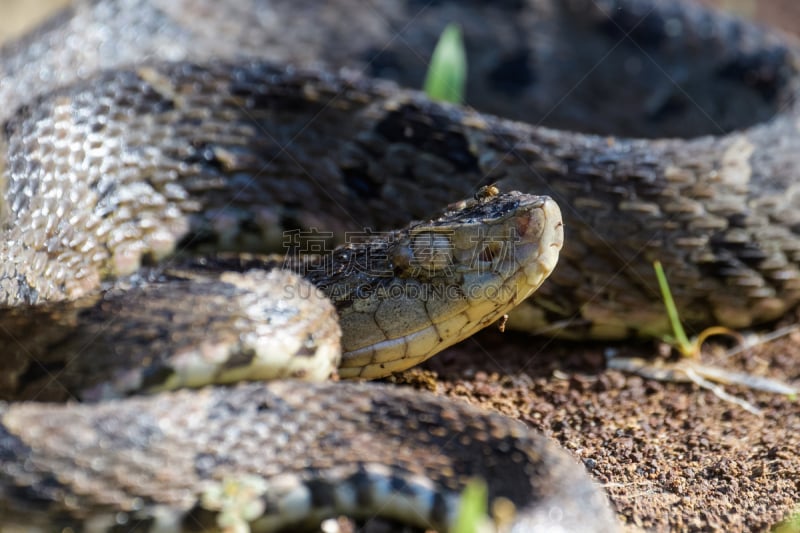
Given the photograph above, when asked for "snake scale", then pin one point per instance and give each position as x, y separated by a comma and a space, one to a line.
135, 129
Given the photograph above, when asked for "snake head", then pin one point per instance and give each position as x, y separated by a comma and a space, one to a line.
453, 276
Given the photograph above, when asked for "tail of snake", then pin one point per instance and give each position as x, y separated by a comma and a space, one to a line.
135, 130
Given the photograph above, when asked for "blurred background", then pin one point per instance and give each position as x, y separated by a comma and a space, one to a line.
18, 16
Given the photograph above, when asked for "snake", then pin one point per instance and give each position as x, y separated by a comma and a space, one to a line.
154, 151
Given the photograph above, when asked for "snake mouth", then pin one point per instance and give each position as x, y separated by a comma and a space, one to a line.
548, 237
457, 275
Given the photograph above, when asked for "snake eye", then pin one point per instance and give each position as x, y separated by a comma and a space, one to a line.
432, 251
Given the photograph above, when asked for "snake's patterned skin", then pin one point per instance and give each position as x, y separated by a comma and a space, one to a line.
719, 209
315, 146
292, 452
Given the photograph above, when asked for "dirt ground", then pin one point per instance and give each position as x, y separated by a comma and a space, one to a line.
673, 457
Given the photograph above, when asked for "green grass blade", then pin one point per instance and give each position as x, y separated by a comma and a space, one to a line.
685, 347
473, 511
790, 525
447, 73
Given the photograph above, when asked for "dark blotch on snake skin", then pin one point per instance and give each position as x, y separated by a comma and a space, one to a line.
157, 375
38, 371
27, 292
517, 486
17, 164
675, 103
383, 63
244, 358
360, 483
283, 95
359, 181
430, 132
763, 71
644, 27
204, 154
323, 494
400, 486
510, 5
134, 525
43, 490
513, 74
199, 519
308, 349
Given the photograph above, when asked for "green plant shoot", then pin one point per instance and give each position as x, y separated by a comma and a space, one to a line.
447, 73
683, 344
473, 511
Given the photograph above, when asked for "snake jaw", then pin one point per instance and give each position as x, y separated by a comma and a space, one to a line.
454, 276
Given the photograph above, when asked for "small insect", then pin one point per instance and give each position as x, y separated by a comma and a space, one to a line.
487, 191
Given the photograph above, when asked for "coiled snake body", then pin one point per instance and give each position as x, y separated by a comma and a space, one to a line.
138, 129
